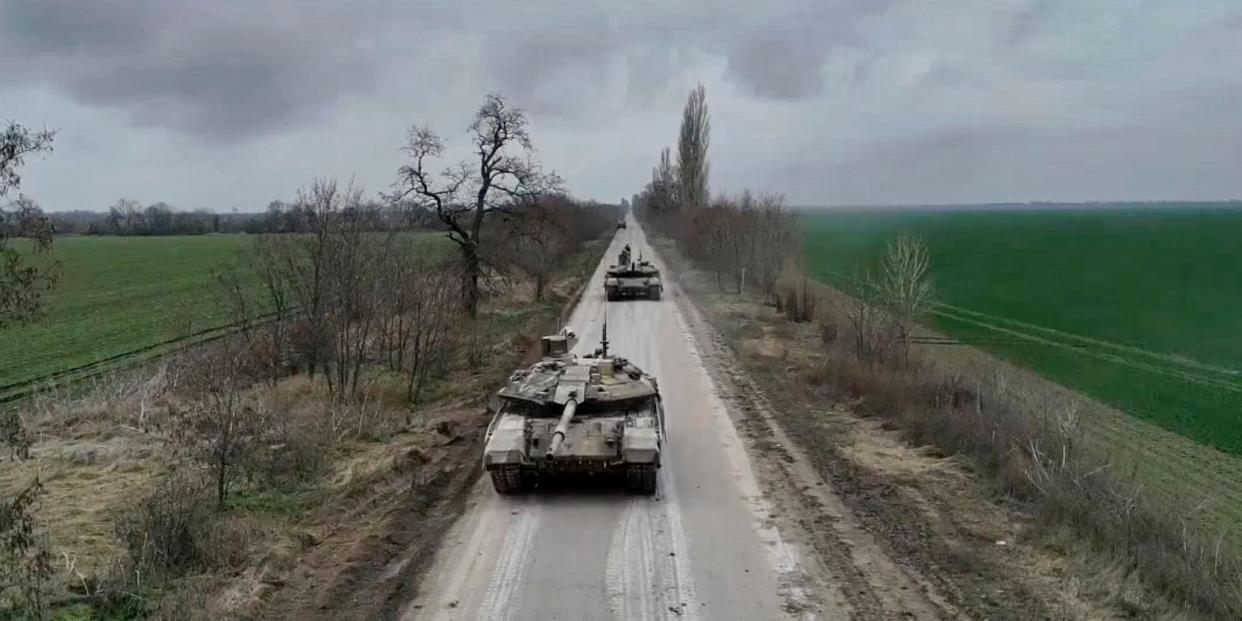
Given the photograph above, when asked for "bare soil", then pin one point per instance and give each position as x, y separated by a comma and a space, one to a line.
397, 501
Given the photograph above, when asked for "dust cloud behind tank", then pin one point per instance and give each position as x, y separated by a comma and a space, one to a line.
630, 278
589, 415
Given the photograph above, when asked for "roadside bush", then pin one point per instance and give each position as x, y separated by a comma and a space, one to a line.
14, 434
25, 557
294, 445
168, 533
828, 330
795, 295
289, 464
170, 538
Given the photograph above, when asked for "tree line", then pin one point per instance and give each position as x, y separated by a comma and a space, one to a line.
746, 238
129, 217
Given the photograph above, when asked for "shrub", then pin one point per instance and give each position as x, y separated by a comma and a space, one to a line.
796, 296
166, 533
25, 557
14, 434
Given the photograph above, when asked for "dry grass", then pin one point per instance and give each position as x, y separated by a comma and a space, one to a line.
1040, 451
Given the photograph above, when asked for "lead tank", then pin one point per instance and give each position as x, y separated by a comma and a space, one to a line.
595, 414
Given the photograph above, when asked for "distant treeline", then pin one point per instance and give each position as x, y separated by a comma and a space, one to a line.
129, 217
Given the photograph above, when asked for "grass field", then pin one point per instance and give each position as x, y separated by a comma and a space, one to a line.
118, 296
1140, 308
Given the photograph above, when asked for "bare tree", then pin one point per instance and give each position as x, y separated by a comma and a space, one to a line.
663, 191
537, 239
740, 238
355, 282
868, 321
125, 217
889, 302
715, 237
775, 238
264, 262
16, 142
429, 343
324, 295
23, 285
25, 559
692, 143
463, 197
306, 259
220, 424
905, 286
419, 312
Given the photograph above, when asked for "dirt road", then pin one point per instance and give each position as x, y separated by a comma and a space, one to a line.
705, 547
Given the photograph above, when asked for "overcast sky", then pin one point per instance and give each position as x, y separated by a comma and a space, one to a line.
233, 103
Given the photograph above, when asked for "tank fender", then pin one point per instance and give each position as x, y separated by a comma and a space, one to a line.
640, 445
507, 444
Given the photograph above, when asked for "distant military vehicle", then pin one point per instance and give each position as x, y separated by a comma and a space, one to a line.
621, 223
593, 415
632, 279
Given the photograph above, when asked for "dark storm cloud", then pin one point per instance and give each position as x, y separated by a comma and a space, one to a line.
223, 71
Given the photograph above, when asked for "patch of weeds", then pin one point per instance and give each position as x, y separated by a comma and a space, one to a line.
273, 501
101, 612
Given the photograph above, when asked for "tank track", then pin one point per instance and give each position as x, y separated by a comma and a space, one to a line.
641, 479
507, 480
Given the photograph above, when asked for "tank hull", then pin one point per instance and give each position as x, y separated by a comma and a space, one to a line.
625, 447
641, 288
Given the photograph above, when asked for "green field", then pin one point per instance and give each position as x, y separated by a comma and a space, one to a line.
118, 296
1140, 308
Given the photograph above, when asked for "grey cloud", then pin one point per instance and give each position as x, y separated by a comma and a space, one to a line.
536, 67
782, 55
1026, 21
221, 71
778, 65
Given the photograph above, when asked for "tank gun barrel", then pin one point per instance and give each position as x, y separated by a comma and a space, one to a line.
562, 427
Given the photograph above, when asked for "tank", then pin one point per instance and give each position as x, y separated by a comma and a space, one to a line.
632, 279
589, 415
